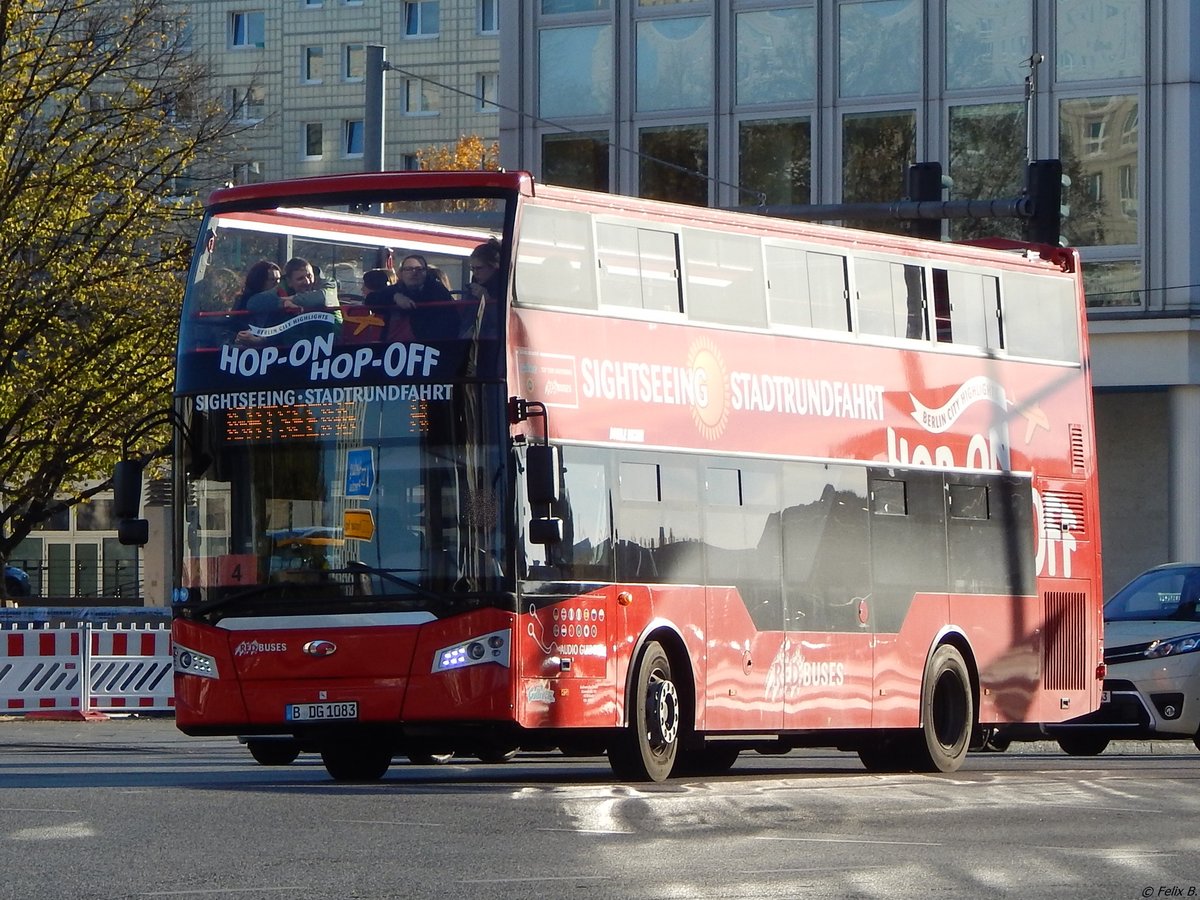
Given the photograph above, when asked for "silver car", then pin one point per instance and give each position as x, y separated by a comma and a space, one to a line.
1152, 648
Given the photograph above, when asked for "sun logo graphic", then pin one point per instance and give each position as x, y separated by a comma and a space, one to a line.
710, 411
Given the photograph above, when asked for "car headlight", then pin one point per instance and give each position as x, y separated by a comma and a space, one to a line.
1188, 643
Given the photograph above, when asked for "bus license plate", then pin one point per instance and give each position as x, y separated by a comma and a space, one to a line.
307, 712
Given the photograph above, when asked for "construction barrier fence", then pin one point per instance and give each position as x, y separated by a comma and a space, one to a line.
86, 670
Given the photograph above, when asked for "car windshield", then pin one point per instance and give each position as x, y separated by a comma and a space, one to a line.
1170, 593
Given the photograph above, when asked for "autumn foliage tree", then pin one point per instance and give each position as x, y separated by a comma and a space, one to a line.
102, 122
469, 153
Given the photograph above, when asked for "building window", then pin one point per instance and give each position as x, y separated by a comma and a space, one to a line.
247, 29
247, 104
864, 27
776, 56
1084, 126
418, 98
489, 16
550, 7
575, 71
353, 138
987, 162
1099, 40
673, 164
247, 173
313, 65
983, 39
313, 3
576, 160
421, 18
354, 62
674, 63
410, 162
313, 140
876, 147
485, 90
775, 161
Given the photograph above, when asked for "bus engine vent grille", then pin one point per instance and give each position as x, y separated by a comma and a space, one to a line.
1066, 641
1077, 459
1062, 514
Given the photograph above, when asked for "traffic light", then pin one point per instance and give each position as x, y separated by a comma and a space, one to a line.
923, 183
1044, 184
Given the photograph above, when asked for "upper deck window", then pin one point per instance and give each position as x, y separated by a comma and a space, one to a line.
891, 299
1040, 317
639, 267
556, 259
807, 288
724, 278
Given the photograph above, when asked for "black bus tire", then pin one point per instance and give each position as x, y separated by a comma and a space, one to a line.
646, 749
947, 713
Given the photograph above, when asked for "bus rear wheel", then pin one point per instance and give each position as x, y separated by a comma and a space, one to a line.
357, 762
646, 749
947, 713
1082, 744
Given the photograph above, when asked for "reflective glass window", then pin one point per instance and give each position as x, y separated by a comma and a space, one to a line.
864, 30
776, 56
1099, 39
1098, 145
674, 63
987, 162
674, 163
985, 41
575, 71
576, 160
775, 161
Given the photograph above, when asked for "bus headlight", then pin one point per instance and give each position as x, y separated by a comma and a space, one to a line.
487, 648
189, 662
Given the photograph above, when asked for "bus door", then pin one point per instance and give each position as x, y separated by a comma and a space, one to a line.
910, 604
826, 670
743, 597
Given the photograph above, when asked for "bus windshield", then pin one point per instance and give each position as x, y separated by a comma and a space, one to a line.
345, 294
340, 378
354, 505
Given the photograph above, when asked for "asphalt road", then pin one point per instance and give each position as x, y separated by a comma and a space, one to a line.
134, 809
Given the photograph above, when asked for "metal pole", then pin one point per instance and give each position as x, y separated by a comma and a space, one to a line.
373, 117
1033, 62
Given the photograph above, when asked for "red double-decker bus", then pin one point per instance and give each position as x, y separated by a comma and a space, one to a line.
665, 483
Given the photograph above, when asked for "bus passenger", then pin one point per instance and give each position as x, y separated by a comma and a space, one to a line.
419, 285
302, 292
261, 277
378, 296
487, 287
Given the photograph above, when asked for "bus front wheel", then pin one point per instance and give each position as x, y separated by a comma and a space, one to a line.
273, 752
353, 762
947, 713
645, 750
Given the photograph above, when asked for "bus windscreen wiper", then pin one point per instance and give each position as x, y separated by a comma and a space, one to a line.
357, 567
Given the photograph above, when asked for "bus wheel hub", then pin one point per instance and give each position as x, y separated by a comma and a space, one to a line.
663, 713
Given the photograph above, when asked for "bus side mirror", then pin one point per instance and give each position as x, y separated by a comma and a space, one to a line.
133, 532
127, 489
541, 475
127, 503
545, 531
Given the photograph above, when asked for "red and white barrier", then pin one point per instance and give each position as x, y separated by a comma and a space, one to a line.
129, 669
40, 669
